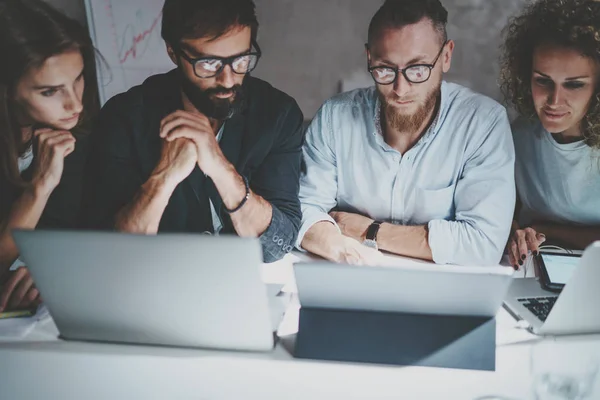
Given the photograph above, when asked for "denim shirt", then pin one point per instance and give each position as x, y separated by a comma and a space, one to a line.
458, 179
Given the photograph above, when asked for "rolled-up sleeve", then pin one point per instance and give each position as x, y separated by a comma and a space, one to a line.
484, 202
318, 185
279, 238
277, 181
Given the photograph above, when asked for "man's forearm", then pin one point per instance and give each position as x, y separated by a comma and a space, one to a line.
253, 219
25, 214
574, 237
144, 212
410, 241
323, 239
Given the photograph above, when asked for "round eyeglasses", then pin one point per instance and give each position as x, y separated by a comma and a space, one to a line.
209, 67
415, 73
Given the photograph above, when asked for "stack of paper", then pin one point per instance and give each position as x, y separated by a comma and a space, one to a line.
15, 328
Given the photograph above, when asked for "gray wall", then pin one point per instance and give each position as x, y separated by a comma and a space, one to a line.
310, 46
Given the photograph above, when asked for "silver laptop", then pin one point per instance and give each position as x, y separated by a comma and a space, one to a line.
170, 289
574, 311
418, 289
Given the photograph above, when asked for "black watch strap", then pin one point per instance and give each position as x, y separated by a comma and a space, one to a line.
372, 230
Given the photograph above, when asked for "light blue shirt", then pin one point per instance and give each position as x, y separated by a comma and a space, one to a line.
458, 179
555, 182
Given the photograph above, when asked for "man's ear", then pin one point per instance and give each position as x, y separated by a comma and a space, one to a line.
172, 55
447, 56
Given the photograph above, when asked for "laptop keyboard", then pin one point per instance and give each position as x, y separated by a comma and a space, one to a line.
539, 306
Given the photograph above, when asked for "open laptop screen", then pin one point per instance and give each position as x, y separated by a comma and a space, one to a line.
560, 267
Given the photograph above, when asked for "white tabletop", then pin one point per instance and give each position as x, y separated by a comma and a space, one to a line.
41, 366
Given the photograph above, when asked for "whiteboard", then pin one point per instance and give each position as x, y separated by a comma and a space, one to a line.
127, 34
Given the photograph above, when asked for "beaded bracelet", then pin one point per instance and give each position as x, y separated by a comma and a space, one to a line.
228, 211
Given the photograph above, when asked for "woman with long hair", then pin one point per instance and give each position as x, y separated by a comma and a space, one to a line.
48, 94
551, 75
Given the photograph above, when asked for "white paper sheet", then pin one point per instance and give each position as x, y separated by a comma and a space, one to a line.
15, 328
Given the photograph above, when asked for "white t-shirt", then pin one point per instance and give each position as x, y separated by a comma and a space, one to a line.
555, 182
24, 162
217, 224
26, 159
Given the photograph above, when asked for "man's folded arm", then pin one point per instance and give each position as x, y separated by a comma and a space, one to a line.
484, 203
318, 185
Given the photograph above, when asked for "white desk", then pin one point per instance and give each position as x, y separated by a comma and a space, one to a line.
41, 366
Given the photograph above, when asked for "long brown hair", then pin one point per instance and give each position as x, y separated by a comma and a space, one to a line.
31, 31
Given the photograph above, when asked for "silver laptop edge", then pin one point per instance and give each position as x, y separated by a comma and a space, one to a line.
170, 289
575, 310
436, 290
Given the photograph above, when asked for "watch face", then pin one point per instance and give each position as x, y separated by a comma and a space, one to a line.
370, 243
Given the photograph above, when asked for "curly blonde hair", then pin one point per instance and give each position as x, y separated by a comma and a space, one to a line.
574, 24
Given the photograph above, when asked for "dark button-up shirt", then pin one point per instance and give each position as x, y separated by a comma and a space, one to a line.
263, 142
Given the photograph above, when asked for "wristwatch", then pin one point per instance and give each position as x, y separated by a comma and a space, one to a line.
371, 237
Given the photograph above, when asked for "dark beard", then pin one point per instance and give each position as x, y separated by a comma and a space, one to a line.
412, 122
219, 109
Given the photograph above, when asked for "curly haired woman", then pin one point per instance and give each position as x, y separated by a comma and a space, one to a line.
551, 75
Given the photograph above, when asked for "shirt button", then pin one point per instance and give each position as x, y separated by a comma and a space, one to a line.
275, 238
280, 242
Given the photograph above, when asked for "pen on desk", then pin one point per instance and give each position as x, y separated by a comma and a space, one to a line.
17, 314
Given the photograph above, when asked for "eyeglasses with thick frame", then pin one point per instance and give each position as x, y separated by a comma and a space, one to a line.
415, 73
209, 67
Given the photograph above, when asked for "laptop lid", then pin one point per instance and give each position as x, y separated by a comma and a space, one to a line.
576, 311
169, 289
423, 289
